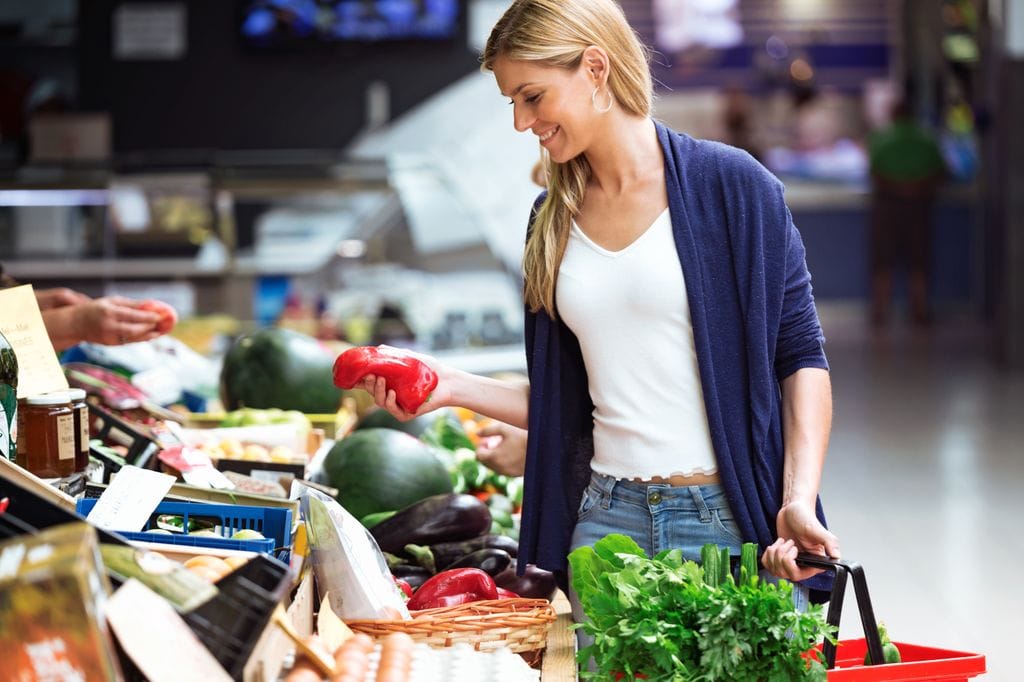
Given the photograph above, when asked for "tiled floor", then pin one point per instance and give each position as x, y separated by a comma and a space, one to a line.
924, 484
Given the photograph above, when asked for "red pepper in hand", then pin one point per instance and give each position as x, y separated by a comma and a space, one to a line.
410, 378
462, 584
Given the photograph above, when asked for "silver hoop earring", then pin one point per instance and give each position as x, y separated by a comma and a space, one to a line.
593, 100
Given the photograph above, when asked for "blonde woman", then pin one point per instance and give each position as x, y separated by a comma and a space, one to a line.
678, 390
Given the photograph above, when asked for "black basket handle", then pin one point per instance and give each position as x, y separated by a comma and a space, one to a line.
843, 569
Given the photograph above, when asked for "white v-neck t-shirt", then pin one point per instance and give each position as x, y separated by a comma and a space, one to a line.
629, 310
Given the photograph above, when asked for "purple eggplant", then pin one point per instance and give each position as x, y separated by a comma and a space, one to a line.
438, 518
535, 583
490, 560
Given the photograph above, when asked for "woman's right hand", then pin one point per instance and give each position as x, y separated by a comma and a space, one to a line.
502, 400
386, 398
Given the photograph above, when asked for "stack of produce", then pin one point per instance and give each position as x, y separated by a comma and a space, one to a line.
431, 506
449, 536
412, 460
397, 658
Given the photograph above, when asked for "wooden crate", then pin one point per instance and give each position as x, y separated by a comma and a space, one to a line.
268, 658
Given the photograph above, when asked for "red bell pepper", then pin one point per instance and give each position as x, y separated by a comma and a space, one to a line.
405, 587
450, 600
411, 379
454, 586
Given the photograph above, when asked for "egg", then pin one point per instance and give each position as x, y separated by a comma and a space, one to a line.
236, 561
204, 560
363, 641
392, 673
350, 660
210, 575
399, 641
304, 671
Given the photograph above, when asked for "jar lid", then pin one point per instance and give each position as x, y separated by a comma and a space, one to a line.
76, 393
55, 398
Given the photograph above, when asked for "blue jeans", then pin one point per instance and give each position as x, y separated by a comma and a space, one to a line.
658, 517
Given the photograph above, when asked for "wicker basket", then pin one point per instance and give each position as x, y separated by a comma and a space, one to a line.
520, 624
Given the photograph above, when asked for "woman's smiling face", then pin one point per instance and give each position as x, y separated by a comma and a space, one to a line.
551, 102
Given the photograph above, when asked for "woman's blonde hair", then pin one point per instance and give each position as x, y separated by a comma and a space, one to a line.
555, 33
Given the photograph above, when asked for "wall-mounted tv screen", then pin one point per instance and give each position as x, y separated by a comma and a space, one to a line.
282, 22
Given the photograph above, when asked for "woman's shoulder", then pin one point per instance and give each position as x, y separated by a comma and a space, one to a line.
718, 160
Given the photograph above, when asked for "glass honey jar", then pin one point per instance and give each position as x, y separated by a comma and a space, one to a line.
46, 435
81, 408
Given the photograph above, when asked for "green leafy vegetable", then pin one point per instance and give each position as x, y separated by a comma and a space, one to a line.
670, 619
446, 432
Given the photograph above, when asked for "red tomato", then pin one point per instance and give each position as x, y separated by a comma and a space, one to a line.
168, 315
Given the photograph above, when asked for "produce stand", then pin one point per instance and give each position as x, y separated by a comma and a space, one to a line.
253, 649
238, 626
239, 557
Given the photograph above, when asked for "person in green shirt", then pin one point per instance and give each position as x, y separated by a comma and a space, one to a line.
906, 169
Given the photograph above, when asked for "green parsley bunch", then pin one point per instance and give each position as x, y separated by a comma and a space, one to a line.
672, 620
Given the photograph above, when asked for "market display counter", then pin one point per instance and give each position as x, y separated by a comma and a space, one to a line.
559, 663
271, 653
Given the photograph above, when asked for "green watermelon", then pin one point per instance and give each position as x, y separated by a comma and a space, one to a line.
280, 368
378, 470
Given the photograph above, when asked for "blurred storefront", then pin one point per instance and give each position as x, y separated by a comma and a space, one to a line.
236, 130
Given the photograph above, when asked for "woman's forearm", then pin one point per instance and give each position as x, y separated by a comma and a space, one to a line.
806, 425
506, 401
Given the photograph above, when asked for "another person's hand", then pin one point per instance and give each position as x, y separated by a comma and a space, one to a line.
111, 320
48, 299
799, 531
502, 448
387, 398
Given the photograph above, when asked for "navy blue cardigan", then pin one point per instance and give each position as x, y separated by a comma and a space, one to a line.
754, 323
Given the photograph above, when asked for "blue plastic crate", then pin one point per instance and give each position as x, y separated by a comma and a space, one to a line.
273, 522
265, 546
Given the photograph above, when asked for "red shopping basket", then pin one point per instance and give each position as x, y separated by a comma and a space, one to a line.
845, 661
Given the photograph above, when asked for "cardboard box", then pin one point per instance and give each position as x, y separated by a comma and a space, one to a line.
273, 647
52, 590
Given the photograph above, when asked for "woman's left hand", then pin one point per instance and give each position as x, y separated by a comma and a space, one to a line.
799, 531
